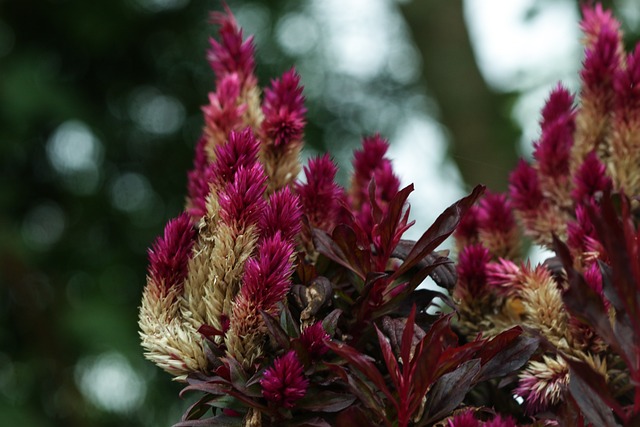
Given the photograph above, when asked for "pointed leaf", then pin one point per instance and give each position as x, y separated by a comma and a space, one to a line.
443, 226
325, 401
591, 392
361, 362
449, 391
275, 330
330, 322
505, 353
389, 358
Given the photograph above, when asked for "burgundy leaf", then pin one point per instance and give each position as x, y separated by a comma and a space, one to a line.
360, 389
217, 421
590, 400
389, 358
275, 330
346, 252
361, 362
325, 401
352, 417
450, 389
330, 322
428, 352
583, 302
591, 392
505, 353
443, 226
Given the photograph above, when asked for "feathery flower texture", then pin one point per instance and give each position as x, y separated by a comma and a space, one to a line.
294, 301
589, 149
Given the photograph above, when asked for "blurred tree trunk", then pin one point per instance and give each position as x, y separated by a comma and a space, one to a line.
483, 138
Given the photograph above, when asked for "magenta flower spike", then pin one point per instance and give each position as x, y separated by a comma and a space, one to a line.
464, 419
524, 187
241, 151
497, 225
370, 163
231, 54
223, 113
284, 110
284, 383
499, 421
590, 179
319, 195
170, 253
553, 149
472, 271
242, 201
313, 339
282, 214
198, 180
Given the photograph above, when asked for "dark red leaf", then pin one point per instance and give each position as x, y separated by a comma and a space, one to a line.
217, 421
330, 322
389, 358
449, 391
362, 390
591, 392
583, 302
325, 401
505, 353
588, 390
361, 362
352, 417
443, 226
428, 352
275, 330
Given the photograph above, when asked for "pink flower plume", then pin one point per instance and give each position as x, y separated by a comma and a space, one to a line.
170, 253
524, 187
267, 276
198, 180
284, 383
231, 54
590, 178
313, 340
320, 196
242, 201
284, 110
282, 214
472, 269
241, 151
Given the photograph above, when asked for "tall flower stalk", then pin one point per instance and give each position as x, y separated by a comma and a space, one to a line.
282, 298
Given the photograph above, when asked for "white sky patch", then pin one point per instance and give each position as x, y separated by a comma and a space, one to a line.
515, 51
419, 157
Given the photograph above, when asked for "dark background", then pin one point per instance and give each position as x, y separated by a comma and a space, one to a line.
99, 112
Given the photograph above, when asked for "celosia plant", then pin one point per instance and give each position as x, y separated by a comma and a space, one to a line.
296, 302
579, 199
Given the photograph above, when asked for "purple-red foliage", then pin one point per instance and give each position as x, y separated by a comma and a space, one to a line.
284, 383
231, 54
524, 187
170, 253
284, 110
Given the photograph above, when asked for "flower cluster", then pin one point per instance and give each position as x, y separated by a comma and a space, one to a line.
296, 302
572, 199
